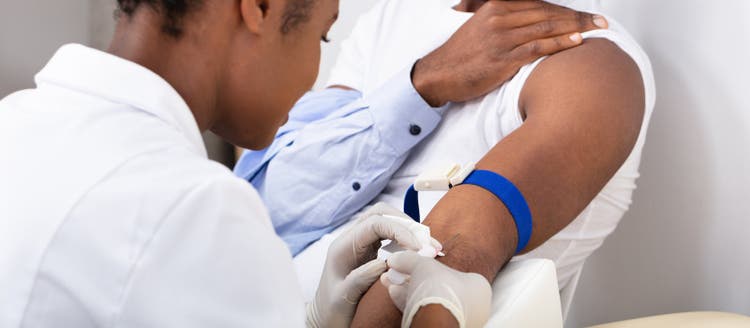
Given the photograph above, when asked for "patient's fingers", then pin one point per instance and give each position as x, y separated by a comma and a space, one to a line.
583, 20
540, 48
546, 29
503, 7
514, 14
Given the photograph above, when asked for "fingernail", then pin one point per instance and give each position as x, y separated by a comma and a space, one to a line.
600, 21
576, 37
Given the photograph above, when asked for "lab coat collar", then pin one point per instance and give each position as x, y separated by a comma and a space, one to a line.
103, 75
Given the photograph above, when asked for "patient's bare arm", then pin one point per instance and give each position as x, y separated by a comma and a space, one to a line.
583, 109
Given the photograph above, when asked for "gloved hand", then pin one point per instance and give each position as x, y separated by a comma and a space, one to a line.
351, 265
466, 295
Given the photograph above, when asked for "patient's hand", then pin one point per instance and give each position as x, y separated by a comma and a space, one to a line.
494, 44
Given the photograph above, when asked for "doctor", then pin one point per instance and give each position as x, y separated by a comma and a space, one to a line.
111, 215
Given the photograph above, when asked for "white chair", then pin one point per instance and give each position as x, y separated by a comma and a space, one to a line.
526, 294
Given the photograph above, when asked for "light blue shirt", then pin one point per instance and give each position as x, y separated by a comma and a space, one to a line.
335, 155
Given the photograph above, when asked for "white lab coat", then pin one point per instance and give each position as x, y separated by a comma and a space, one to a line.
111, 215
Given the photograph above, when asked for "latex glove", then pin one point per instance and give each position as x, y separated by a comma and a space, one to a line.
351, 265
466, 295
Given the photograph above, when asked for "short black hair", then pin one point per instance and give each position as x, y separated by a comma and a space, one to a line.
297, 12
172, 10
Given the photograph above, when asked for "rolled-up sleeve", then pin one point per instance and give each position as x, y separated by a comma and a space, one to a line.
318, 173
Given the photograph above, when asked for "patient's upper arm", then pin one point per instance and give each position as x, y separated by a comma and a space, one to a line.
584, 108
593, 82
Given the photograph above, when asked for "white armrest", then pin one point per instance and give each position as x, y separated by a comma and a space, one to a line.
525, 294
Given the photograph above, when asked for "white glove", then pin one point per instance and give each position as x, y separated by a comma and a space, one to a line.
351, 266
466, 295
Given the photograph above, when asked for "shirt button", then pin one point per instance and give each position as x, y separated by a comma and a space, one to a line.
415, 129
356, 186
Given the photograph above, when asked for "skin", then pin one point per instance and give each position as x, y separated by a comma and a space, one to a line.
233, 66
490, 47
574, 138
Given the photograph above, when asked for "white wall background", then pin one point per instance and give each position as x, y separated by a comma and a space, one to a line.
31, 31
349, 11
685, 244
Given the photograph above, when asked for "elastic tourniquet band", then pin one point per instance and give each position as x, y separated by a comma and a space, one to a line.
502, 188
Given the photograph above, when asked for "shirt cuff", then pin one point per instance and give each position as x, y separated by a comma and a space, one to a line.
400, 114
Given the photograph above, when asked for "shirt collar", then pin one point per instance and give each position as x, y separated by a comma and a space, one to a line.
118, 80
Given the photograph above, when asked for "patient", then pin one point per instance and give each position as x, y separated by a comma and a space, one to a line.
567, 130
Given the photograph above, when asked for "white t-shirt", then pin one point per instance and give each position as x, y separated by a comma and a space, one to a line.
111, 214
395, 33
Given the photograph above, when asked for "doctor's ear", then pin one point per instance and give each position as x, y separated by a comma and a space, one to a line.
255, 13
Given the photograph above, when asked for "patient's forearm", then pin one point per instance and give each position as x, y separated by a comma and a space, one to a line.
477, 232
376, 309
434, 316
380, 312
475, 239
